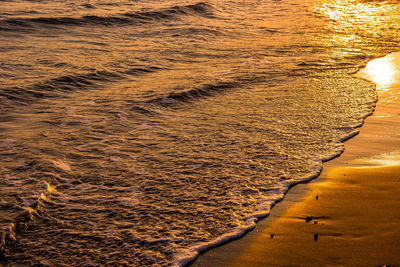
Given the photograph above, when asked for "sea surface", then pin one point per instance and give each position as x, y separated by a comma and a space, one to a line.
139, 133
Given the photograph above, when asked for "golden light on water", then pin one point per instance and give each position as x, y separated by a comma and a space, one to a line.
378, 161
381, 71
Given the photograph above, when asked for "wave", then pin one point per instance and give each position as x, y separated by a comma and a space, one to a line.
190, 254
53, 87
8, 235
186, 96
58, 86
130, 18
209, 90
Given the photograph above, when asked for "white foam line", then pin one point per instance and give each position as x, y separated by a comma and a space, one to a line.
263, 210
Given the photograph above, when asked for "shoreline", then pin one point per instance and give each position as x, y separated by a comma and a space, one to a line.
364, 156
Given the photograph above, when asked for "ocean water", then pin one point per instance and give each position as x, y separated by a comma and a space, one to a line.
139, 133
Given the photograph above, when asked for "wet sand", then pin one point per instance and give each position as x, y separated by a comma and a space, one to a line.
350, 214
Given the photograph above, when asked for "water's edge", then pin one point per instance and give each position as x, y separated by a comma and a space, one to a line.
190, 256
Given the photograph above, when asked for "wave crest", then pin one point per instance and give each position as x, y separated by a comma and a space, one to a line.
199, 9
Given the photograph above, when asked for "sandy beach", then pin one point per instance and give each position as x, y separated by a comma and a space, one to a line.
349, 215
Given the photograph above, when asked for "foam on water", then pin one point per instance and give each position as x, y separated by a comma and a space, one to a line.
263, 209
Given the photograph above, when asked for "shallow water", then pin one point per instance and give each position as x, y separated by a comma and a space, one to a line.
138, 133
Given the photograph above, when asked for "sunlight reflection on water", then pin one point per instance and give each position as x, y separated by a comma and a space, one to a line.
382, 71
382, 160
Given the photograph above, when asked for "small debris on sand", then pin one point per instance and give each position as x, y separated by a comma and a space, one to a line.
315, 237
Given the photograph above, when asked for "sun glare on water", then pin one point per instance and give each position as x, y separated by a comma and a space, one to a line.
381, 71
384, 72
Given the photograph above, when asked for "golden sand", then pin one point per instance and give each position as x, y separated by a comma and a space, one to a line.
354, 222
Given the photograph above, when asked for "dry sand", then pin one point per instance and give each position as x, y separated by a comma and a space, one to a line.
355, 220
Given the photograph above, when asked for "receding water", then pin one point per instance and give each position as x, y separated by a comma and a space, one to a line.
140, 132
